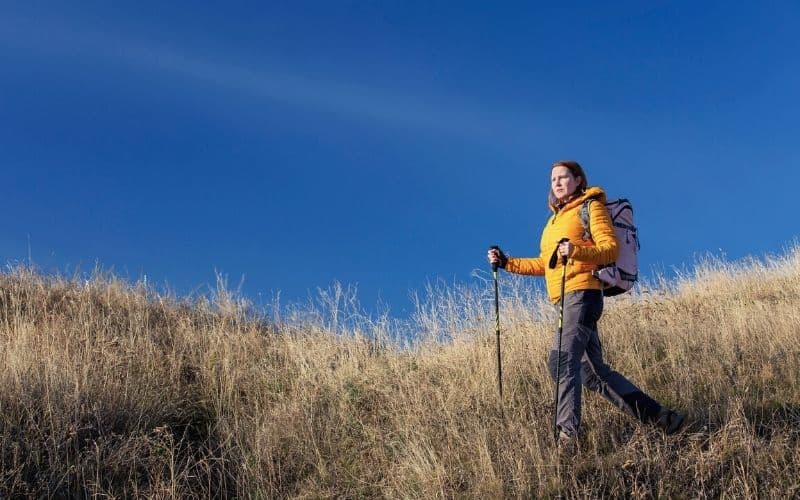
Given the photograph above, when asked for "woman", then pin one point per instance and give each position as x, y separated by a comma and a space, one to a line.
581, 357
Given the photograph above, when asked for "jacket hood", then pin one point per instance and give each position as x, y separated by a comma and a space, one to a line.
594, 192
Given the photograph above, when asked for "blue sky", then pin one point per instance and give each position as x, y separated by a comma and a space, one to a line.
385, 144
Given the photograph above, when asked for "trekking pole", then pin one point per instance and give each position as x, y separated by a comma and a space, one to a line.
560, 330
497, 329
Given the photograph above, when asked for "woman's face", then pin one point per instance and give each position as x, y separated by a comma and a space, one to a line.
563, 183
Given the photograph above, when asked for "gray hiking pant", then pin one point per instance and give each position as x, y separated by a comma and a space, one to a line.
582, 363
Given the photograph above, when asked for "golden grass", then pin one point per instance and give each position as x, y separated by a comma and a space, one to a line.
110, 389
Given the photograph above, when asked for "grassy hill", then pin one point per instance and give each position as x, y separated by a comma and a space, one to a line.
110, 389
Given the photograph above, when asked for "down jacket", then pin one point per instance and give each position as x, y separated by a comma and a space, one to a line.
586, 256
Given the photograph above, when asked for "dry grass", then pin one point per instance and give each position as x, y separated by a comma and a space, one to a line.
109, 389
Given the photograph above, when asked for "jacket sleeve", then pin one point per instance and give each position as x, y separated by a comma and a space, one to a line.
606, 247
531, 266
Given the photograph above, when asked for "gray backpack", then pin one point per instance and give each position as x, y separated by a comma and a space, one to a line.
617, 277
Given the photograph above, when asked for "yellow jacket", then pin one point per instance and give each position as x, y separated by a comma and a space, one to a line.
586, 256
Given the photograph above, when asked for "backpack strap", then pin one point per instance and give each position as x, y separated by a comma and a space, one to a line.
587, 232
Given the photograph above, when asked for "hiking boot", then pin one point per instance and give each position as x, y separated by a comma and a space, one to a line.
670, 421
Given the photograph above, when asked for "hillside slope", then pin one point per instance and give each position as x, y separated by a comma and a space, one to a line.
111, 389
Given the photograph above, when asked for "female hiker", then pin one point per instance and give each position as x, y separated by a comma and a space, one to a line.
581, 357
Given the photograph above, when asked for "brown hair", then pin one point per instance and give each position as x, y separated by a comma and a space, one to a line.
576, 170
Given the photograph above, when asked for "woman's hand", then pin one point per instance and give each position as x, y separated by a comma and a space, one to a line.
496, 256
565, 249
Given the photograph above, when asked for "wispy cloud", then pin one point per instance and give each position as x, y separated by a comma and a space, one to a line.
424, 114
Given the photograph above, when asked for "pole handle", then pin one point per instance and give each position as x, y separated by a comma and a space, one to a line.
494, 264
554, 257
